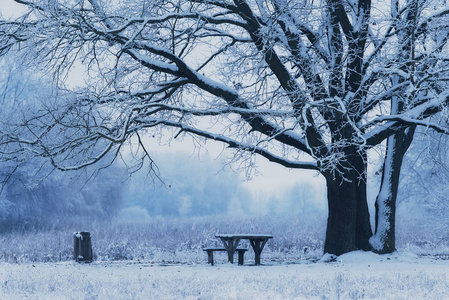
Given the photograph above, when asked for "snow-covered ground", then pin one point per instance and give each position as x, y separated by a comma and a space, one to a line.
358, 275
163, 259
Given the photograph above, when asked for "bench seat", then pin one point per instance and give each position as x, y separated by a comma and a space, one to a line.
210, 253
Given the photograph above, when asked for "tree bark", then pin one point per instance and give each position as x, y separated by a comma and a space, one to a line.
348, 224
384, 239
363, 225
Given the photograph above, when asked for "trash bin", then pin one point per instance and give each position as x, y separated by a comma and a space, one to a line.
82, 246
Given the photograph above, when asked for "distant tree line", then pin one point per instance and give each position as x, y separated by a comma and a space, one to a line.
58, 200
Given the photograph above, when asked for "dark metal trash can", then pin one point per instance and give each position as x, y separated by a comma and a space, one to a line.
82, 246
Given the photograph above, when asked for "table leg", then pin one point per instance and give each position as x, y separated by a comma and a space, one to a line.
230, 245
210, 257
257, 245
241, 257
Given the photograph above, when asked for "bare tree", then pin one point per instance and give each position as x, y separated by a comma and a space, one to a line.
306, 84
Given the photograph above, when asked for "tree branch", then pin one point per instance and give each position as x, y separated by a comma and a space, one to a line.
239, 145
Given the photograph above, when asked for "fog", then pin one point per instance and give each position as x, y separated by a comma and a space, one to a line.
192, 187
38, 196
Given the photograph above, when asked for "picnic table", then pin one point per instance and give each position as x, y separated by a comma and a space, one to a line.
231, 241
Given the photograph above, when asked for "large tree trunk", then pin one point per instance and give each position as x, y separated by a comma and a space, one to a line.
348, 224
384, 238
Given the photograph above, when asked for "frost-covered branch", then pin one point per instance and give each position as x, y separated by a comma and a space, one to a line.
412, 116
240, 146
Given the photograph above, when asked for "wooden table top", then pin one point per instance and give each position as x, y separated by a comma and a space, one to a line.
244, 236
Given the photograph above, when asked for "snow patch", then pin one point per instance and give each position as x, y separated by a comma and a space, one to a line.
328, 258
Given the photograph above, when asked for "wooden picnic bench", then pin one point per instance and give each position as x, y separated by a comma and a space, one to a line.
210, 253
230, 243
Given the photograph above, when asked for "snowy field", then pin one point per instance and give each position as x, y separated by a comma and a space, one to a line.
163, 259
353, 276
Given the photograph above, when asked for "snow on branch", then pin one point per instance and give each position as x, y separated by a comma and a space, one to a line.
215, 111
411, 121
232, 143
414, 116
153, 64
174, 16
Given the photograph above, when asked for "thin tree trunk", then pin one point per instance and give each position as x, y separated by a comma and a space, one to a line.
384, 238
